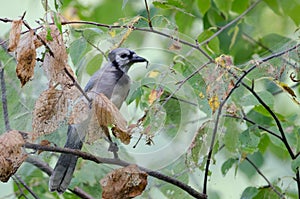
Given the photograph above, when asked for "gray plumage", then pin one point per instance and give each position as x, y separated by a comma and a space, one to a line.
111, 80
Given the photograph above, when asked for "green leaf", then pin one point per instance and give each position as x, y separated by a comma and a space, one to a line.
296, 164
247, 168
267, 192
92, 34
162, 5
213, 18
248, 142
213, 45
203, 6
49, 36
223, 5
274, 5
249, 193
291, 8
198, 142
183, 21
57, 22
249, 100
240, 6
270, 39
135, 93
56, 4
264, 143
227, 165
231, 135
124, 4
94, 64
77, 49
176, 3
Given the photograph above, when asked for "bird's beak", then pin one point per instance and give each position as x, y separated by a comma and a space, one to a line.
136, 58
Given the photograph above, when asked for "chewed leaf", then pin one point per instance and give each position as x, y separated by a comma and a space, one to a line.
154, 95
14, 35
214, 103
288, 90
12, 155
26, 58
98, 117
50, 110
107, 114
56, 64
127, 182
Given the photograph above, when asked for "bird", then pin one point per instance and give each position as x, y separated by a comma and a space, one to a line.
111, 80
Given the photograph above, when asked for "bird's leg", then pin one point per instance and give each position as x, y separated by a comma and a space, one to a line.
113, 147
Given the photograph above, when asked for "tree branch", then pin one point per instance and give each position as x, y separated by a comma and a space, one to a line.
254, 123
99, 160
4, 99
230, 23
265, 178
237, 83
182, 82
26, 186
48, 170
148, 15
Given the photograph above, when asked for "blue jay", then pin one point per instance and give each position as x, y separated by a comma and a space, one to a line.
111, 80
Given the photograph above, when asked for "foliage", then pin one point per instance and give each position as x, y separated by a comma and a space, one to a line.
221, 89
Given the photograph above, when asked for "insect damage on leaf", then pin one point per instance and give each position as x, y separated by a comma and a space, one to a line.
50, 109
26, 57
98, 117
14, 35
55, 65
288, 90
107, 114
214, 103
127, 182
12, 155
154, 95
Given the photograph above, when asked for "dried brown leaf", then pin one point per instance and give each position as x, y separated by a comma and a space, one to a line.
107, 114
127, 182
56, 65
102, 115
44, 143
80, 112
50, 109
14, 35
12, 155
26, 57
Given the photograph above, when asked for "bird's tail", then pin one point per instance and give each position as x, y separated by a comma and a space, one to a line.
65, 166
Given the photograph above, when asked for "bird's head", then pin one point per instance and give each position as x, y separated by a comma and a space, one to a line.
123, 58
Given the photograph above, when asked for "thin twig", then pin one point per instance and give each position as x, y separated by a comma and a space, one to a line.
148, 15
237, 83
267, 48
38, 36
96, 47
298, 181
265, 178
182, 82
274, 116
4, 99
26, 186
77, 85
230, 23
19, 188
43, 166
195, 46
254, 123
119, 162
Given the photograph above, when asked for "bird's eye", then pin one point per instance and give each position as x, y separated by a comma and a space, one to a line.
123, 56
